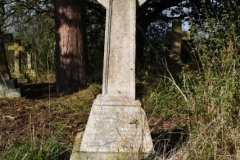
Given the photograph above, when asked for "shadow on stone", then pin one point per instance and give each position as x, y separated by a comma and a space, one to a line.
167, 143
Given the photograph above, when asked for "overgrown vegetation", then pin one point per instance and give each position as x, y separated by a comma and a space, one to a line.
204, 99
48, 148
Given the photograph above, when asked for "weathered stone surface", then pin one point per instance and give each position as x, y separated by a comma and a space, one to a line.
105, 3
177, 35
75, 151
30, 73
8, 89
16, 48
8, 84
119, 51
10, 93
120, 48
117, 127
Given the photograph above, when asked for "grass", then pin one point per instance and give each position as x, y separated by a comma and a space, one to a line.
204, 104
208, 111
48, 148
43, 127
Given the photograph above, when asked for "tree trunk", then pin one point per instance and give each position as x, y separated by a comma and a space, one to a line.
70, 49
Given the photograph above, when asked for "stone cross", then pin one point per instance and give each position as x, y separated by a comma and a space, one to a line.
119, 50
177, 35
16, 48
4, 70
117, 127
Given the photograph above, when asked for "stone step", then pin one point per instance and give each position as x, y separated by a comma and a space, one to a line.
8, 84
10, 93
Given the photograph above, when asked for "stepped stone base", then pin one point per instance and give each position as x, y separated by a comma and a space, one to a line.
116, 129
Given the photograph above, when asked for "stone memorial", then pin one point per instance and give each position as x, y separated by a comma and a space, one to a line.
17, 49
177, 35
30, 73
7, 85
117, 127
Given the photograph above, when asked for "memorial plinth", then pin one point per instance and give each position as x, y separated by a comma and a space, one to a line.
116, 128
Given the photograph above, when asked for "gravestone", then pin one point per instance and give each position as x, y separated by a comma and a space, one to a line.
30, 72
17, 49
176, 36
117, 127
7, 85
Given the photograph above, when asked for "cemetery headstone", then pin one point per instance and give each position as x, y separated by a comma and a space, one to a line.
30, 73
117, 127
176, 36
7, 85
17, 48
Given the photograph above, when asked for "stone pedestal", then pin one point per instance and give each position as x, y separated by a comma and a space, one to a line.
116, 129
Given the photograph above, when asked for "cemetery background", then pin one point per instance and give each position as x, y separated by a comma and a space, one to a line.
206, 104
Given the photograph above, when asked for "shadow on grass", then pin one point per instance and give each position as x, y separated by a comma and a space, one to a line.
39, 90
167, 143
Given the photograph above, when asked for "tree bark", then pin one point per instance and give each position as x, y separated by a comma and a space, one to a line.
70, 47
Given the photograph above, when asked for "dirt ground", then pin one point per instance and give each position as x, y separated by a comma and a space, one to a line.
41, 111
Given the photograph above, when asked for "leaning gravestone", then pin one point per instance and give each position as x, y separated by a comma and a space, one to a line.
117, 127
7, 85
